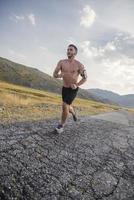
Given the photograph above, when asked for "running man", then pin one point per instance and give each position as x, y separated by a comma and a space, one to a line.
69, 69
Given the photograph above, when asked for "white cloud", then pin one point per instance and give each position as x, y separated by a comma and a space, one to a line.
17, 55
90, 51
118, 15
70, 40
110, 46
17, 18
88, 17
122, 68
119, 72
31, 18
111, 65
43, 48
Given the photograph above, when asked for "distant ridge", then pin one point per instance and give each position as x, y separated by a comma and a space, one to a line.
105, 96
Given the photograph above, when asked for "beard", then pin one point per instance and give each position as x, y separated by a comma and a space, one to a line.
70, 56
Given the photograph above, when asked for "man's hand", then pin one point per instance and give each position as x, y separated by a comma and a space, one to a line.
74, 86
59, 75
56, 75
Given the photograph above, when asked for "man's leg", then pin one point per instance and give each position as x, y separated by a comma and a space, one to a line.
65, 112
71, 110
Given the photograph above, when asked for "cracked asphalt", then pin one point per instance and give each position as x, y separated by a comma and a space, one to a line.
93, 159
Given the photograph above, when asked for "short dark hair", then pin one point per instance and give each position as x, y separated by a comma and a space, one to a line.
72, 45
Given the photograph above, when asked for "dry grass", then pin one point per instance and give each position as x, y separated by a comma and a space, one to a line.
22, 103
131, 110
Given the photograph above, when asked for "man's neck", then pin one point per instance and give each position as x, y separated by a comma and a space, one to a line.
70, 59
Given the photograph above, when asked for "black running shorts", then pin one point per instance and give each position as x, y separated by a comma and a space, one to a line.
69, 94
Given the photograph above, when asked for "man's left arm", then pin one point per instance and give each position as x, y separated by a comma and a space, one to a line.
83, 74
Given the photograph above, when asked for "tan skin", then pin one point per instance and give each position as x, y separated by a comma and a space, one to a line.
70, 74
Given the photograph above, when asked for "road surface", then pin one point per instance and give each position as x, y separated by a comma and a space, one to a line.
93, 159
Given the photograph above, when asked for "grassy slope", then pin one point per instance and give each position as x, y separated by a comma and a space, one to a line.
19, 74
18, 103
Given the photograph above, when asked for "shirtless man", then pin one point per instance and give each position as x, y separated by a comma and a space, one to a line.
69, 69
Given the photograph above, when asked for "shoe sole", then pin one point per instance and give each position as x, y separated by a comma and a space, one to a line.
57, 130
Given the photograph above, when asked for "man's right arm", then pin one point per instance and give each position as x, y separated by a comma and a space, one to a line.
56, 71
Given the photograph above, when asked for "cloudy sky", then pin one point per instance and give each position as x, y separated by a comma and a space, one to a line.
37, 32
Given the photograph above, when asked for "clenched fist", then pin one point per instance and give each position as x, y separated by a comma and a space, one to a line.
60, 75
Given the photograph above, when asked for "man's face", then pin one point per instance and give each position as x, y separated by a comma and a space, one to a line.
71, 52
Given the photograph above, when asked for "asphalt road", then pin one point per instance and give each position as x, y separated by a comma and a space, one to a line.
93, 159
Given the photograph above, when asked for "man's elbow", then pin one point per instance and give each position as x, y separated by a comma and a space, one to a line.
54, 75
84, 80
84, 75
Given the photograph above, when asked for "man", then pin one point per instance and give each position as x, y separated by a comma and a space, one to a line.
69, 69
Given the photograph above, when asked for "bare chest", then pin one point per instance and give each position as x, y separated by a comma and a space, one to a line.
71, 68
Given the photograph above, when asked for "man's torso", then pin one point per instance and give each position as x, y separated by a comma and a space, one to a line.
70, 72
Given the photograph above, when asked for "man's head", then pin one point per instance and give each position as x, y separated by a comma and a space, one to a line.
71, 50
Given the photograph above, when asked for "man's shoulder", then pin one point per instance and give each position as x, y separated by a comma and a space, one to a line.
62, 60
79, 63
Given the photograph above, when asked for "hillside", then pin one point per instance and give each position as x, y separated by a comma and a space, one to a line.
19, 74
27, 76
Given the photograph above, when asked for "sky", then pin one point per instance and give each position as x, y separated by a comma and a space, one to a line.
37, 32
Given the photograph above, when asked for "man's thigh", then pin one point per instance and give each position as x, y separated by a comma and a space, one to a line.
68, 95
65, 105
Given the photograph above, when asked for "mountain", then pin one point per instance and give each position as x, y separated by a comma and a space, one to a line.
127, 100
19, 74
109, 96
27, 76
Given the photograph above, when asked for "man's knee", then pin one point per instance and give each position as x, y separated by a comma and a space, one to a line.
65, 106
70, 107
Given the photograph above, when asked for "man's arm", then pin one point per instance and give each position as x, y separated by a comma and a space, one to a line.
83, 74
56, 71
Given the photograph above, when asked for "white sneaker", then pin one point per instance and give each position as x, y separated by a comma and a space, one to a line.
59, 128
